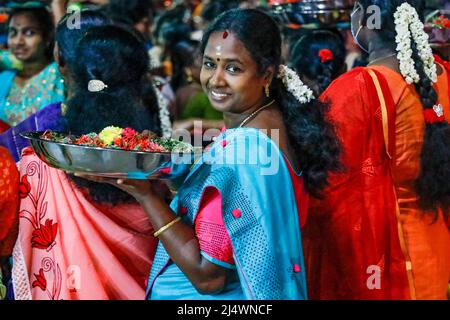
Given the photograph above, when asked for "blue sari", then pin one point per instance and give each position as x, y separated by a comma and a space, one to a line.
253, 179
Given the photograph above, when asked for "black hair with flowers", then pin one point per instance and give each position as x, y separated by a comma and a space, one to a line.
432, 184
310, 58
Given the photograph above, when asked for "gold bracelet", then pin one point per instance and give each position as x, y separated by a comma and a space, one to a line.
167, 226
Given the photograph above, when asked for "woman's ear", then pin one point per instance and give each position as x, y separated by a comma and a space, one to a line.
269, 74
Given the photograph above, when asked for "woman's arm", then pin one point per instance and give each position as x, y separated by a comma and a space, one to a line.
180, 240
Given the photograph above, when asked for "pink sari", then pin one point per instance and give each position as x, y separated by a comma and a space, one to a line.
70, 248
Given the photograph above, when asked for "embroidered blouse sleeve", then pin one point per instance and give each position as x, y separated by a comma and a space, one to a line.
215, 243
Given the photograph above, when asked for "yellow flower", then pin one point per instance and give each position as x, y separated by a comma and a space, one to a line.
108, 135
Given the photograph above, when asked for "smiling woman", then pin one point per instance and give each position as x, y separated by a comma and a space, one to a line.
38, 83
233, 230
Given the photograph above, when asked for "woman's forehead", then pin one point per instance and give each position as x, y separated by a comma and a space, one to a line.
24, 20
226, 47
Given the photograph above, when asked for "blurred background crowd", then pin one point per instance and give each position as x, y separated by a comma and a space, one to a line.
173, 30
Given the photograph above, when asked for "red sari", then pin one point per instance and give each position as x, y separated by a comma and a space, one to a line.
367, 239
9, 203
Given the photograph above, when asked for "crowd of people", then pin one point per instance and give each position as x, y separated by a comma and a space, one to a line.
349, 196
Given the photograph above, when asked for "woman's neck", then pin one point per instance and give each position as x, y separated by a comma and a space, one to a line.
379, 52
30, 69
233, 120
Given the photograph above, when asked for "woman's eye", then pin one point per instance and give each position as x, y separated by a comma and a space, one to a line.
208, 64
12, 33
29, 33
233, 69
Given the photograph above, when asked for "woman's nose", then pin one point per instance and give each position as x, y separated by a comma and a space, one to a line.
217, 78
19, 39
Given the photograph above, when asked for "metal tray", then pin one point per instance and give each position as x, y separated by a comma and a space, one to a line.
111, 162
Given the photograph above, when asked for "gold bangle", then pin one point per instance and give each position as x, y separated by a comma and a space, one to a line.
167, 226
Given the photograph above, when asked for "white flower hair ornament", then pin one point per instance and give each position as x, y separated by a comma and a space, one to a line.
164, 114
409, 27
294, 85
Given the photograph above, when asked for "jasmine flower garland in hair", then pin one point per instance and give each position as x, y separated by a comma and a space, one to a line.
164, 115
294, 85
425, 53
406, 19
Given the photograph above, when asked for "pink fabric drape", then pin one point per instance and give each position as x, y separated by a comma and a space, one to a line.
72, 248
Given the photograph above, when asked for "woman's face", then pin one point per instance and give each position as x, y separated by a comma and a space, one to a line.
25, 38
230, 76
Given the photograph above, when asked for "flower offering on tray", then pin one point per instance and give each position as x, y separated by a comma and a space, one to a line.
123, 139
115, 152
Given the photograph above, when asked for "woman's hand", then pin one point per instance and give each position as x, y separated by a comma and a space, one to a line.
139, 189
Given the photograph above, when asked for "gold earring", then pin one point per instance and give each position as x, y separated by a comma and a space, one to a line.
267, 89
189, 76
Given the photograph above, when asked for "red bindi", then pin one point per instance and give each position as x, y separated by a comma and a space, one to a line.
225, 35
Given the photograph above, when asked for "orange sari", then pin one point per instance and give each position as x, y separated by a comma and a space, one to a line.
367, 239
428, 243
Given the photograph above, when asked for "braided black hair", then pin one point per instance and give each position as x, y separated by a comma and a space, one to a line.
432, 184
310, 133
117, 57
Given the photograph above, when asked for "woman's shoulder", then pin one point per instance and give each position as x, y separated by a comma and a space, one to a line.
349, 86
250, 146
350, 82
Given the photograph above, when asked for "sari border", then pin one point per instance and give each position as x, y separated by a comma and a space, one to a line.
401, 236
20, 279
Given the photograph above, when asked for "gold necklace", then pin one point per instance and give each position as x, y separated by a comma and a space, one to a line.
255, 113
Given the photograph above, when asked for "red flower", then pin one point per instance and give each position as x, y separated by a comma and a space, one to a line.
326, 55
40, 281
118, 142
129, 133
442, 22
44, 237
24, 187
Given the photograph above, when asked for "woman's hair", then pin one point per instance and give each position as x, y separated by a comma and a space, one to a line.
166, 25
67, 38
432, 185
172, 34
182, 55
129, 11
45, 21
311, 135
306, 60
116, 57
217, 7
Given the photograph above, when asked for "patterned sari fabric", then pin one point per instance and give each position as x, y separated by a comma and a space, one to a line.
17, 104
367, 239
258, 232
71, 248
